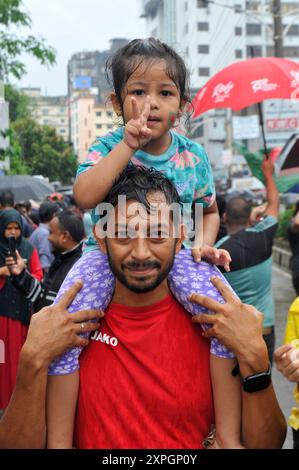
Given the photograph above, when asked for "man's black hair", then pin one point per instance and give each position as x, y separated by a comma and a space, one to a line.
70, 222
47, 211
7, 198
238, 211
137, 182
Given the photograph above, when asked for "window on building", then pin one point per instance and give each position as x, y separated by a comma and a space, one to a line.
293, 30
62, 131
187, 51
288, 7
252, 6
238, 54
45, 112
291, 51
99, 126
238, 8
202, 3
110, 126
203, 26
99, 113
85, 122
62, 110
46, 121
89, 134
186, 6
88, 109
238, 31
109, 113
254, 51
186, 28
204, 71
62, 121
253, 29
203, 49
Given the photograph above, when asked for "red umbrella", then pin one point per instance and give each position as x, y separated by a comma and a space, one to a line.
248, 82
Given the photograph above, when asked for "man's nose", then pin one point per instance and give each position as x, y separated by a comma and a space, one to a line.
140, 249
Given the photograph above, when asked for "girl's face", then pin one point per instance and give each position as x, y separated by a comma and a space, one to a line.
151, 80
12, 230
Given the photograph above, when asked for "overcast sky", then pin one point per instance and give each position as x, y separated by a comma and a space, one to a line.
72, 26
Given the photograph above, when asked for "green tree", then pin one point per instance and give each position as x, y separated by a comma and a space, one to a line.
14, 18
18, 103
41, 151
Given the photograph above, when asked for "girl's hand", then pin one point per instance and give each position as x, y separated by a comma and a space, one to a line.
137, 134
216, 256
17, 266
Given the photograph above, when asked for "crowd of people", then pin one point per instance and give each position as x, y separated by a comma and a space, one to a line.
174, 347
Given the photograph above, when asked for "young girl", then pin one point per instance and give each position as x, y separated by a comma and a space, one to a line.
150, 92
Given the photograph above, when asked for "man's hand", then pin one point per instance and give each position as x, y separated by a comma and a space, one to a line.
4, 271
287, 361
137, 134
213, 255
17, 266
238, 326
267, 168
52, 330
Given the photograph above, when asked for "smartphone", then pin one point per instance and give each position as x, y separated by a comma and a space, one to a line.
12, 246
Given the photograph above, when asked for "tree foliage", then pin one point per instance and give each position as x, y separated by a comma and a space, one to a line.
43, 152
35, 149
14, 18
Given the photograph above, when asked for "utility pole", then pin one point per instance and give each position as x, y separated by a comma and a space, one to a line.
277, 28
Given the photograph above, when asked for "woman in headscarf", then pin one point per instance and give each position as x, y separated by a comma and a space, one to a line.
15, 309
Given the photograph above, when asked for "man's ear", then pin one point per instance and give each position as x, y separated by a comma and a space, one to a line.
100, 240
180, 240
224, 218
115, 104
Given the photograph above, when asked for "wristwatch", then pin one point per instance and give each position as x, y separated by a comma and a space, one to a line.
256, 382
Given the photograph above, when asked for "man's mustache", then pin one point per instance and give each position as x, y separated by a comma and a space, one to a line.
138, 265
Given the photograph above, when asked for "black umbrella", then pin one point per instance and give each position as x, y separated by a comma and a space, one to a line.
26, 187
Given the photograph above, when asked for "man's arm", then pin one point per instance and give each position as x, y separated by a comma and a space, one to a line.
51, 332
272, 195
239, 328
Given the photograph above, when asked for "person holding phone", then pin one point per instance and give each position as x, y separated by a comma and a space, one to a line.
15, 310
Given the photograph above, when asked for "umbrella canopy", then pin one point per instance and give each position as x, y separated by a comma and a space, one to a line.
26, 187
248, 82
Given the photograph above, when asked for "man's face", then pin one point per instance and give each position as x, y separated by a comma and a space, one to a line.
56, 236
141, 261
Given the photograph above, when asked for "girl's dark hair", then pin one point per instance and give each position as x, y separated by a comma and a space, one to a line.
126, 60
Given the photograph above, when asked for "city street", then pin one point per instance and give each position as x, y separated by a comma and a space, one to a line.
283, 294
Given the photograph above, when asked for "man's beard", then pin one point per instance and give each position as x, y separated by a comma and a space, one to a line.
143, 289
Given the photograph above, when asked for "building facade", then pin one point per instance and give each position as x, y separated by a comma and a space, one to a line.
89, 120
50, 111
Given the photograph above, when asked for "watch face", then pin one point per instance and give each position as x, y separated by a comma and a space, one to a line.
257, 382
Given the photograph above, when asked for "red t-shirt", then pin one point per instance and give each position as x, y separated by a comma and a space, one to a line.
145, 381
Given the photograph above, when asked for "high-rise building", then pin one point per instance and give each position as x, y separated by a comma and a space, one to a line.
89, 121
50, 111
86, 70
